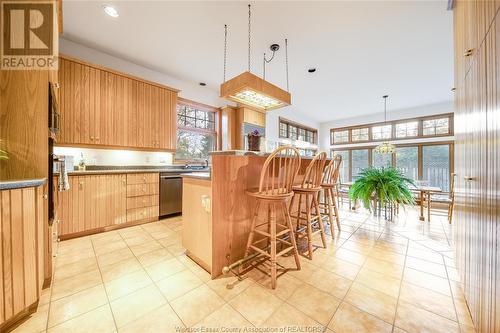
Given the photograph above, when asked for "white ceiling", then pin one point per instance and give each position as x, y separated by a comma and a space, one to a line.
361, 49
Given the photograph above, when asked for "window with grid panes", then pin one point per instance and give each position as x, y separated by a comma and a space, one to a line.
436, 126
340, 136
360, 134
381, 132
406, 130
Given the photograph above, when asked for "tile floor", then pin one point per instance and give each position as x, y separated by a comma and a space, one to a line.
375, 276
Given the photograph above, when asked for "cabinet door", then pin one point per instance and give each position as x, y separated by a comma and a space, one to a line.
132, 111
141, 120
119, 196
119, 112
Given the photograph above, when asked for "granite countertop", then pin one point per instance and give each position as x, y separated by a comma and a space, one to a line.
14, 184
198, 175
120, 170
250, 153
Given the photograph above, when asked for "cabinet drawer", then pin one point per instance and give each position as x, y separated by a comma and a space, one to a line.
136, 190
142, 201
142, 178
137, 214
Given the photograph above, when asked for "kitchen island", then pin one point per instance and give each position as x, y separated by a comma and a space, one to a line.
224, 225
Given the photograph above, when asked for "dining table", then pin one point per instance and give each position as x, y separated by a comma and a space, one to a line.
425, 193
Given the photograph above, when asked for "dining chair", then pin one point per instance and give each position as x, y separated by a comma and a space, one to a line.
447, 199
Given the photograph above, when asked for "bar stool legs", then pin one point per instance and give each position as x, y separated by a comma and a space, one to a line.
310, 219
273, 236
330, 208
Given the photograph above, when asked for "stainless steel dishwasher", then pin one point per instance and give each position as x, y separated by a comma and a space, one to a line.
170, 194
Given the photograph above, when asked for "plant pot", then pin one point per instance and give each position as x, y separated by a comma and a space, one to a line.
253, 142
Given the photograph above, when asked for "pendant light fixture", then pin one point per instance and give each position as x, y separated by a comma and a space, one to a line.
251, 90
385, 147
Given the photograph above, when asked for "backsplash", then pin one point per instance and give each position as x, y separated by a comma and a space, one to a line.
116, 157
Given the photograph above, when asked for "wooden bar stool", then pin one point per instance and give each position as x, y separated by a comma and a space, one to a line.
275, 191
308, 191
330, 195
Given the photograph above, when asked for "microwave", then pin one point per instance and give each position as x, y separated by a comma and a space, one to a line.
54, 112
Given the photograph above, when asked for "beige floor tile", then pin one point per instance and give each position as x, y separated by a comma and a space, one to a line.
414, 319
105, 238
150, 258
127, 284
290, 319
306, 268
428, 300
463, 313
164, 269
178, 284
357, 247
73, 284
286, 285
76, 268
196, 305
342, 267
256, 304
162, 319
145, 247
66, 259
389, 256
224, 319
384, 267
202, 274
76, 304
109, 247
427, 280
229, 286
427, 255
119, 269
374, 302
36, 322
98, 320
114, 257
131, 307
315, 303
171, 239
139, 239
176, 249
350, 256
330, 283
426, 266
349, 319
380, 282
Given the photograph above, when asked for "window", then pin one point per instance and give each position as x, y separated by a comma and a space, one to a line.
340, 136
381, 132
294, 131
196, 135
436, 166
406, 130
359, 161
360, 134
407, 161
307, 152
344, 167
438, 126
381, 160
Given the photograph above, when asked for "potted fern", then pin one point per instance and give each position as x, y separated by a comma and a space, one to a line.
382, 186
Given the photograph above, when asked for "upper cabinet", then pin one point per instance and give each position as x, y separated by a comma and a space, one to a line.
106, 108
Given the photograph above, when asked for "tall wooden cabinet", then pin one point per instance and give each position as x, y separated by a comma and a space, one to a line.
477, 158
101, 107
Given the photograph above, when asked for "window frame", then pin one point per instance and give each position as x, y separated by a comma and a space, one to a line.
419, 145
288, 123
393, 123
215, 132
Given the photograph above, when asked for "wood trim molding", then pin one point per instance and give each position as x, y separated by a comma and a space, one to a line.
18, 319
197, 105
106, 69
99, 146
108, 228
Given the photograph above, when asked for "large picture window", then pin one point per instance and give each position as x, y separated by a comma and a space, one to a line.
436, 165
196, 131
360, 161
422, 127
294, 131
407, 161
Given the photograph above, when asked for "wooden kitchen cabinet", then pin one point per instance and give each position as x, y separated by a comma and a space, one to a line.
93, 202
96, 203
101, 107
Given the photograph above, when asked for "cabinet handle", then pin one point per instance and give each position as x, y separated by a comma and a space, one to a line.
469, 178
468, 52
45, 196
91, 138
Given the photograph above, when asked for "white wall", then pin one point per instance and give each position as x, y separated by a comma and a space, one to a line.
272, 124
189, 90
424, 110
115, 157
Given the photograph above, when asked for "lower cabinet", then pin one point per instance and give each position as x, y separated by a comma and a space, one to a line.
95, 203
23, 227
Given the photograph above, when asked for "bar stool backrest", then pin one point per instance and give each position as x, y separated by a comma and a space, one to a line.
332, 171
314, 171
279, 171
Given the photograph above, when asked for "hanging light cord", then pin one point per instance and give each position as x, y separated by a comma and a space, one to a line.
385, 108
225, 51
249, 31
286, 64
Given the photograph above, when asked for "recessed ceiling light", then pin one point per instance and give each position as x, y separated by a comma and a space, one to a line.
203, 84
312, 70
111, 11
